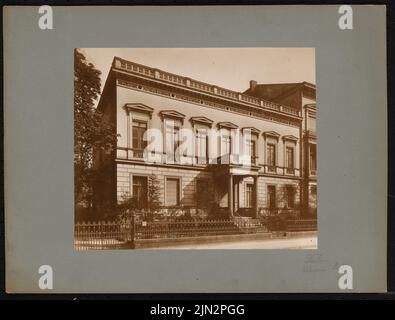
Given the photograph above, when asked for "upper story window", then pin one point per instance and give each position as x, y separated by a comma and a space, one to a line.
251, 150
201, 126
313, 159
271, 143
290, 143
271, 157
250, 137
139, 127
226, 144
138, 119
226, 140
202, 146
289, 159
173, 121
172, 142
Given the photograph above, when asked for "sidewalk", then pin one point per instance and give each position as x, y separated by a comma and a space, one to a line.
307, 242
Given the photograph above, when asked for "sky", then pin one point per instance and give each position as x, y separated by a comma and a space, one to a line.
230, 68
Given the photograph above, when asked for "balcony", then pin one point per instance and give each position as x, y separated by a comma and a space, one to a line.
228, 159
253, 160
233, 160
277, 170
130, 153
290, 171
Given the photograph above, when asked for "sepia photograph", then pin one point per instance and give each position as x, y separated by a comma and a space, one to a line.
195, 148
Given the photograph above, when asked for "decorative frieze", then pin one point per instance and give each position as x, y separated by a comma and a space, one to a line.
262, 114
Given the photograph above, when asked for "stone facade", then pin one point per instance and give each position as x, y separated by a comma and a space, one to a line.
188, 180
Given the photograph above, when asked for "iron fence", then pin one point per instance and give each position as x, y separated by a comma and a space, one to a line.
184, 228
301, 225
102, 235
123, 234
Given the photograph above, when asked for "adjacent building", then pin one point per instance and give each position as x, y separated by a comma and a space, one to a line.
302, 97
213, 151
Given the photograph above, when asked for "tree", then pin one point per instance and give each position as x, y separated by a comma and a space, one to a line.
153, 203
91, 131
127, 207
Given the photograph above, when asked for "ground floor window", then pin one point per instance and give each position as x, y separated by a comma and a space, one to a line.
249, 194
271, 197
139, 190
313, 196
172, 192
290, 196
202, 194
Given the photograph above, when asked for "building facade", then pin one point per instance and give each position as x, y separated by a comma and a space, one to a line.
213, 151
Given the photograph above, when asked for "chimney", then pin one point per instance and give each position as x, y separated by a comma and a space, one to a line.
253, 85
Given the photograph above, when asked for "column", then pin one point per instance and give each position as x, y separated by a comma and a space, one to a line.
230, 195
255, 196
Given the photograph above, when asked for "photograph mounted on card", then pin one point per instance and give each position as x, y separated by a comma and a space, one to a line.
222, 149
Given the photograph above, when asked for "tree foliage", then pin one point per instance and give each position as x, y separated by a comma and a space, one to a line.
153, 195
91, 131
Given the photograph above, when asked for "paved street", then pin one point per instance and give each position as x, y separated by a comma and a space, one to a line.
290, 243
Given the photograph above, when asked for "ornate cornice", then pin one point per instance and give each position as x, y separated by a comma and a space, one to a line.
157, 75
201, 101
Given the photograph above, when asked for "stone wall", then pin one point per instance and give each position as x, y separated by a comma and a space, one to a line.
280, 184
187, 178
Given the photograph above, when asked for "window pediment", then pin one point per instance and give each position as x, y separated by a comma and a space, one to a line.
201, 120
253, 130
227, 125
272, 134
290, 138
138, 107
172, 114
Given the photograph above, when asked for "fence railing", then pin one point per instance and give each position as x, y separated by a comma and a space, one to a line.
188, 228
102, 235
291, 213
302, 225
117, 234
122, 235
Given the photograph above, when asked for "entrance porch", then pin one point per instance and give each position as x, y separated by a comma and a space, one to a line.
239, 188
